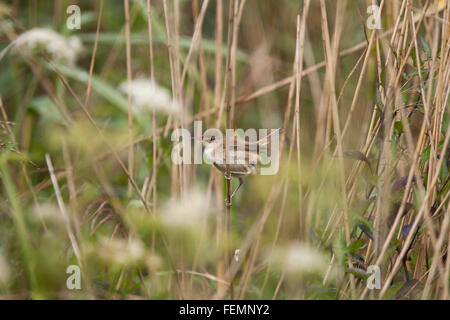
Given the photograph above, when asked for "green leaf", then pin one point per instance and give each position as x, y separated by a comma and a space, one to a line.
355, 246
45, 107
108, 92
445, 123
185, 42
415, 72
358, 272
393, 50
426, 48
398, 127
379, 104
414, 57
362, 221
425, 156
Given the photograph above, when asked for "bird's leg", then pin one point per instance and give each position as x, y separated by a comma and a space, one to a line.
228, 204
241, 182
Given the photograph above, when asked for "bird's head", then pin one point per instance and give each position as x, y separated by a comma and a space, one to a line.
210, 139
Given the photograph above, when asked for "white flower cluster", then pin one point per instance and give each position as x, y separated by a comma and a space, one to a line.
305, 259
125, 252
147, 95
59, 48
188, 212
300, 259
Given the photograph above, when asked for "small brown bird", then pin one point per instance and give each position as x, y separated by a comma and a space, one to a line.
243, 156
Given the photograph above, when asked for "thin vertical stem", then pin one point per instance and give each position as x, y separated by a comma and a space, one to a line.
129, 79
152, 75
229, 125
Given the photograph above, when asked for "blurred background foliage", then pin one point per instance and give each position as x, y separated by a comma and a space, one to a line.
77, 206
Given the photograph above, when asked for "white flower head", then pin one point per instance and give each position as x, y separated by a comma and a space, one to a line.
301, 259
59, 48
122, 251
188, 212
147, 95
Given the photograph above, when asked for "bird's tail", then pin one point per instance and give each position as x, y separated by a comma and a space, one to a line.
266, 140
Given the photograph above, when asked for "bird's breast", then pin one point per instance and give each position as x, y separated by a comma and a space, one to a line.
209, 155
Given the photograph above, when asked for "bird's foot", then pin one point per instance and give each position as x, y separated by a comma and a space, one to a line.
228, 178
227, 204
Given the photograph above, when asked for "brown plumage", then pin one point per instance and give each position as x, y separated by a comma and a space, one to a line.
244, 155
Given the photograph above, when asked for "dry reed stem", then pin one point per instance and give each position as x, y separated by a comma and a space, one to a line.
63, 210
152, 76
427, 90
130, 106
229, 125
195, 38
101, 134
94, 54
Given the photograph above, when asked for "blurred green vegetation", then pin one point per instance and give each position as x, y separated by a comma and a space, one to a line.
181, 247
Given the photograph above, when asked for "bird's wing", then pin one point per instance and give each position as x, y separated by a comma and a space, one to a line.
243, 157
241, 144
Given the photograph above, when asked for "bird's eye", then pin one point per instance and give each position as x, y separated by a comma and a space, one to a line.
212, 138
